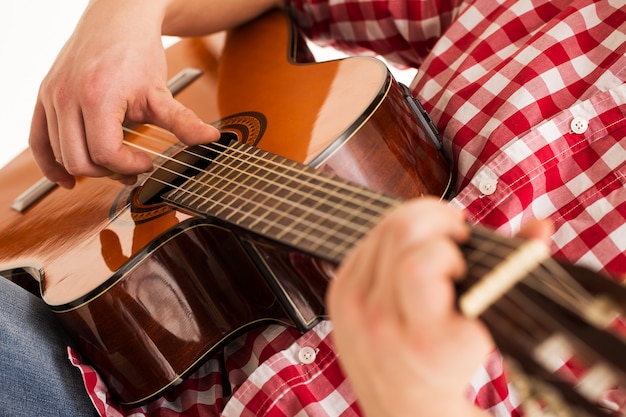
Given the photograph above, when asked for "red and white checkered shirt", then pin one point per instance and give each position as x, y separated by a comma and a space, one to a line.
529, 96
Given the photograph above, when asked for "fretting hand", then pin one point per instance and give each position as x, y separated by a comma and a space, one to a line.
402, 343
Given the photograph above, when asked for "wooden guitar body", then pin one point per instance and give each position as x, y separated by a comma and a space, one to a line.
148, 290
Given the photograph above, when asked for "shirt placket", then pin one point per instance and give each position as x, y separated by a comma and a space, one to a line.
513, 185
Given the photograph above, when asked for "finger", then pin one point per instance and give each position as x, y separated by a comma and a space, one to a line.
73, 146
409, 226
403, 227
422, 218
353, 280
170, 114
424, 293
537, 229
41, 148
53, 134
124, 179
105, 144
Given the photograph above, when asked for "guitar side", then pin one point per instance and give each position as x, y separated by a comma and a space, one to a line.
147, 290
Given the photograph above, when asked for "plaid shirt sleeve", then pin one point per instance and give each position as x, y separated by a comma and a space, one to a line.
531, 101
402, 32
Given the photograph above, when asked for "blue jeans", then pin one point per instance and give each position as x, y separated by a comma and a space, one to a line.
37, 379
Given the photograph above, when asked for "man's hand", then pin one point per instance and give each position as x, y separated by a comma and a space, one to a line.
404, 346
111, 70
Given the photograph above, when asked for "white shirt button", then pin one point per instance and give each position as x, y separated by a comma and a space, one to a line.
579, 125
488, 186
306, 355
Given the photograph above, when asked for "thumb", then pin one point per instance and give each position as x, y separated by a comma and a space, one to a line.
537, 229
172, 115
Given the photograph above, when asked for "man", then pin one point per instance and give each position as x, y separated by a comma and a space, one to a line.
529, 97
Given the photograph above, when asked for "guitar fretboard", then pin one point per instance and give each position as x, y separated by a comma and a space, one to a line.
283, 200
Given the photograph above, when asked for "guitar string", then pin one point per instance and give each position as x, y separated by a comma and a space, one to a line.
296, 219
293, 218
517, 312
310, 238
338, 220
371, 196
127, 128
558, 290
569, 299
508, 312
283, 174
310, 175
553, 281
521, 309
535, 332
324, 245
322, 204
600, 312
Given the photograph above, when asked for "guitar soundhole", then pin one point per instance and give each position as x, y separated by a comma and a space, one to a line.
177, 169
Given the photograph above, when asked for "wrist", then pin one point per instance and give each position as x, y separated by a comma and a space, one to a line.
127, 16
199, 17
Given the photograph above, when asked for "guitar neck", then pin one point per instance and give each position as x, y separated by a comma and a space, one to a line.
283, 200
309, 210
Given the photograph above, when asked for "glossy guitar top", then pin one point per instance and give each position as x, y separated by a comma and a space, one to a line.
148, 290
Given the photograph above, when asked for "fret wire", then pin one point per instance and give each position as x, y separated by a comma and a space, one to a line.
478, 236
233, 180
326, 246
263, 182
315, 187
345, 184
184, 191
227, 178
238, 162
308, 171
298, 203
215, 194
320, 205
381, 197
202, 188
268, 197
193, 195
344, 247
495, 246
318, 181
387, 199
309, 209
343, 220
252, 187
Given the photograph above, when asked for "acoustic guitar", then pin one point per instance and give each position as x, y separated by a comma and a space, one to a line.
151, 279
149, 290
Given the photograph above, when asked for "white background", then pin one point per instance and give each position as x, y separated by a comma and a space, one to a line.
31, 34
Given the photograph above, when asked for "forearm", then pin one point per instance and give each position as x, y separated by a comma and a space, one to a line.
180, 17
200, 17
